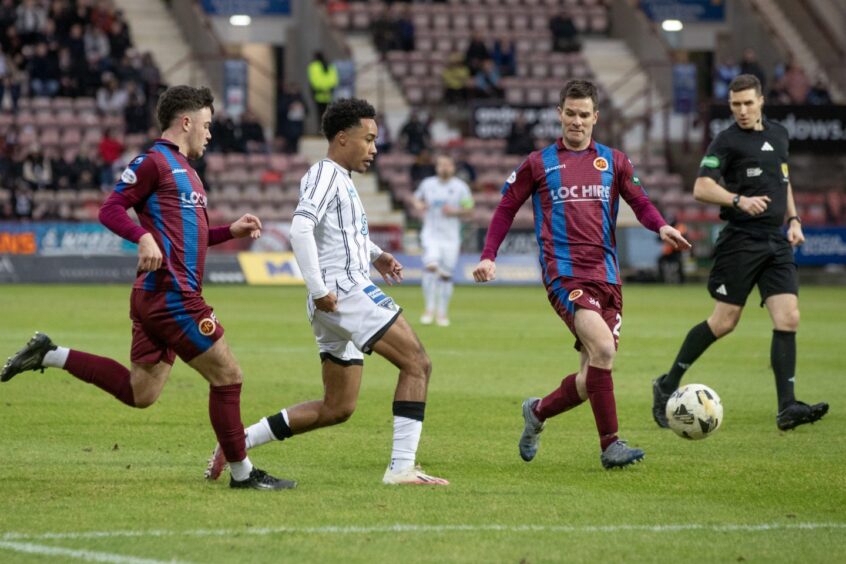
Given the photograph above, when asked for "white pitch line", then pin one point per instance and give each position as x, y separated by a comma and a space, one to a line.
87, 555
410, 528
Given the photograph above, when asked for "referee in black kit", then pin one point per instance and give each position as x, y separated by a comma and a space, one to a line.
751, 158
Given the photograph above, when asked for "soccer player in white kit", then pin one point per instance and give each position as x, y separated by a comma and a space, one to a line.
446, 200
350, 316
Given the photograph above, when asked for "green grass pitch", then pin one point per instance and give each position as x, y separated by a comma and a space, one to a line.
84, 478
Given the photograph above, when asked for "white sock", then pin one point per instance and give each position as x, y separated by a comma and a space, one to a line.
259, 433
430, 281
241, 470
445, 294
406, 437
56, 358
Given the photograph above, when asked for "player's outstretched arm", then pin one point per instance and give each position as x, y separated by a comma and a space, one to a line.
389, 267
485, 271
247, 224
674, 238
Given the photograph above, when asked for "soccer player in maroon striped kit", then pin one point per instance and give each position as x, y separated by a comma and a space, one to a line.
169, 315
575, 185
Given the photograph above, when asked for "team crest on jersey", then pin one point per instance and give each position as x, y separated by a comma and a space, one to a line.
600, 164
128, 176
575, 295
207, 326
512, 178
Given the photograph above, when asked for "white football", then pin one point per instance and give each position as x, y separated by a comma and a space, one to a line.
694, 411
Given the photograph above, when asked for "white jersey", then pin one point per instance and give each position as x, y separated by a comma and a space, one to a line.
329, 199
436, 194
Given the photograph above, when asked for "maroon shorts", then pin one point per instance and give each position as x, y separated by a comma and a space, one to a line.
567, 294
166, 324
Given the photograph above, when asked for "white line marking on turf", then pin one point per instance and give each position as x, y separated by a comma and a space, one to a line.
88, 555
400, 528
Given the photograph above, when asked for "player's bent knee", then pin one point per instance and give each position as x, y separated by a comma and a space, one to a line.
339, 415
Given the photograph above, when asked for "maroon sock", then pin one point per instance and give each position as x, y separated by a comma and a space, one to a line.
225, 415
560, 400
103, 372
600, 389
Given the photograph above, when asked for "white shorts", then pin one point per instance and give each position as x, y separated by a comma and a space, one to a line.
441, 254
364, 314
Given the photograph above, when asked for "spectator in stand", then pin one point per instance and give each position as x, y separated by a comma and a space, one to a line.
110, 150
384, 31
111, 98
136, 115
818, 94
223, 134
777, 94
36, 170
252, 133
96, 43
488, 81
505, 56
834, 207
565, 36
44, 73
102, 15
76, 43
30, 19
384, 139
323, 78
119, 40
414, 134
724, 73
456, 77
477, 53
151, 76
8, 13
422, 167
60, 12
64, 171
69, 72
87, 166
22, 204
463, 169
290, 117
520, 140
13, 46
404, 29
796, 83
749, 65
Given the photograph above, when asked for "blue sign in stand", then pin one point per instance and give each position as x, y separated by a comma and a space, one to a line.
247, 7
823, 245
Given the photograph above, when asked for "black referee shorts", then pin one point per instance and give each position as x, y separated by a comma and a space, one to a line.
744, 258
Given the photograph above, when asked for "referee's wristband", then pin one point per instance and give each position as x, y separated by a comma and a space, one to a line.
794, 218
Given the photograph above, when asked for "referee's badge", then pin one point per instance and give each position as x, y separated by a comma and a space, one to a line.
784, 170
600, 164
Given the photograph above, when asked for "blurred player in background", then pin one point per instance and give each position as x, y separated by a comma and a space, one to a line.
751, 159
445, 200
169, 315
350, 316
575, 185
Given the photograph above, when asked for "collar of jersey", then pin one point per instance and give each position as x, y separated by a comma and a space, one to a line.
339, 167
562, 147
167, 142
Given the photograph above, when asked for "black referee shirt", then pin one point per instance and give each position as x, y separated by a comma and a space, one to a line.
751, 163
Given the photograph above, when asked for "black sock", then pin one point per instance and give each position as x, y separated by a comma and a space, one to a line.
278, 427
697, 341
410, 409
783, 359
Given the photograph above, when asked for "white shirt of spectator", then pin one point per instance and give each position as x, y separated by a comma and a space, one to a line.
329, 199
436, 194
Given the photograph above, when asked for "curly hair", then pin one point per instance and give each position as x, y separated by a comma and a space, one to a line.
181, 99
578, 89
345, 113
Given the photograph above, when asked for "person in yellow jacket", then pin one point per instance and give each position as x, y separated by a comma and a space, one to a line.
323, 78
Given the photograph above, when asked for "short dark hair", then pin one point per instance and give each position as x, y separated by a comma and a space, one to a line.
180, 99
580, 89
745, 82
345, 113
